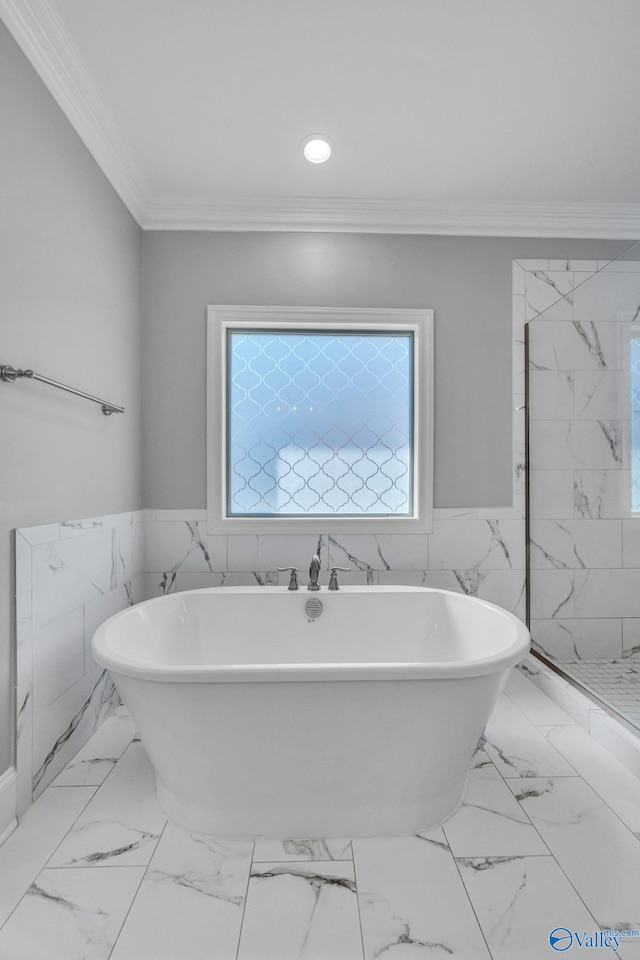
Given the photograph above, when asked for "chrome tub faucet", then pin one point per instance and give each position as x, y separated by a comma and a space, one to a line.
314, 572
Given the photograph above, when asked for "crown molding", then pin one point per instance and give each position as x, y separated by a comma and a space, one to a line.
37, 29
39, 32
531, 219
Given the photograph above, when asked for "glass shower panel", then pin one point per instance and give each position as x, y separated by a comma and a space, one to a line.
583, 404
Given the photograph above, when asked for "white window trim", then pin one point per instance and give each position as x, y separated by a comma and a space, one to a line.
220, 318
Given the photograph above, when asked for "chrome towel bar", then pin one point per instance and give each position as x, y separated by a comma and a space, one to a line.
9, 375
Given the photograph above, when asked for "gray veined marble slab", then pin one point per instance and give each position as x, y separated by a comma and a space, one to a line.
95, 761
379, 551
69, 722
519, 901
577, 444
191, 901
412, 901
281, 850
534, 704
552, 594
552, 494
574, 346
70, 915
597, 852
480, 544
301, 911
517, 747
578, 639
122, 823
576, 544
616, 785
489, 822
551, 394
544, 288
41, 829
601, 495
69, 573
183, 546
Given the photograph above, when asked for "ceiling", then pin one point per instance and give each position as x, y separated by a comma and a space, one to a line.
498, 117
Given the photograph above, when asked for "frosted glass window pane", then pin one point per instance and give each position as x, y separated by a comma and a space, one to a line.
319, 423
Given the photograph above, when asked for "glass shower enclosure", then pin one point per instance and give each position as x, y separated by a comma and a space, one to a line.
583, 454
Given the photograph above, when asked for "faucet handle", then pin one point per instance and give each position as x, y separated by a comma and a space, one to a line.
293, 582
333, 579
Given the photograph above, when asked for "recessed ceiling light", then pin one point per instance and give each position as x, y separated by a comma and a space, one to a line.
317, 148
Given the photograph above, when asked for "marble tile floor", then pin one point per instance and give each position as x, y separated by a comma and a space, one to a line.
548, 836
615, 681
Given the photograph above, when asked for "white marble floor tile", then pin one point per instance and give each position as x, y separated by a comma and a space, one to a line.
629, 947
301, 911
519, 901
517, 747
598, 853
191, 901
95, 761
122, 823
536, 706
276, 850
616, 785
70, 915
489, 823
41, 829
412, 901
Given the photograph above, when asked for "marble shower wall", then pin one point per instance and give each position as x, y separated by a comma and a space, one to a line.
585, 542
70, 576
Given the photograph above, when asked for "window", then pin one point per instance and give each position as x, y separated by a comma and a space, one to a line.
319, 419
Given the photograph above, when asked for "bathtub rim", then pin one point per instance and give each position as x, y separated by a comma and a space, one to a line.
339, 671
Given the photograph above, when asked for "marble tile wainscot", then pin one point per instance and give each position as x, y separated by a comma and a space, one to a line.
70, 576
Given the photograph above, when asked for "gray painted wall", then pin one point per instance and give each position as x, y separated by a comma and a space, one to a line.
467, 281
70, 309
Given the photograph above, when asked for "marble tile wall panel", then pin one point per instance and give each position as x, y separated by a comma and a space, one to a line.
76, 714
568, 638
575, 544
70, 576
481, 557
577, 444
580, 470
614, 291
545, 288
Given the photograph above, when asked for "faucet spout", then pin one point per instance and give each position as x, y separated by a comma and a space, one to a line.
314, 571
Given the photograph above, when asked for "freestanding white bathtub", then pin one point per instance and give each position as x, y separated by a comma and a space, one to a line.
260, 721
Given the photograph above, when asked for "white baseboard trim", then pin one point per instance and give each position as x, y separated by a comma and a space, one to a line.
8, 804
